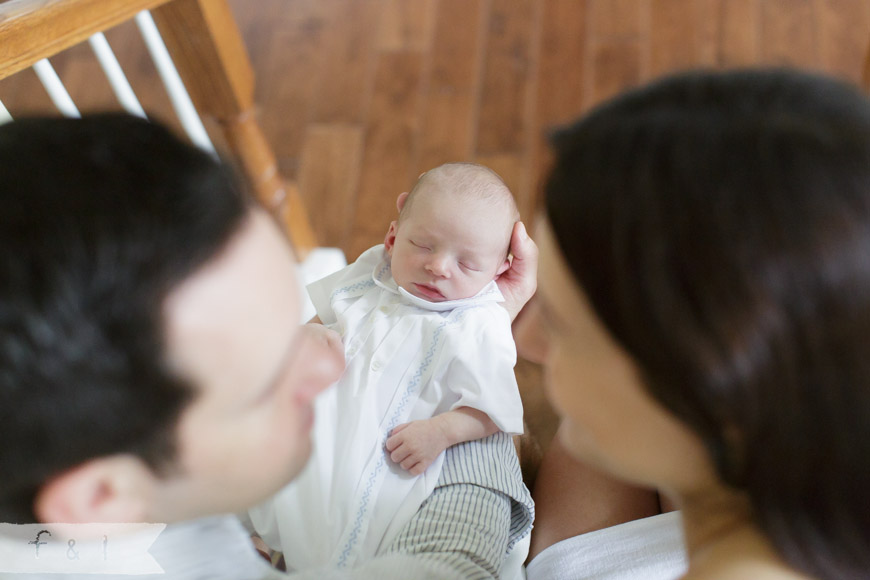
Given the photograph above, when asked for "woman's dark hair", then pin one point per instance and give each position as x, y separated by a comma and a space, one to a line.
99, 219
720, 225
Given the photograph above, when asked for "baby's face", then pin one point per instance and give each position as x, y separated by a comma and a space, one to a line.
448, 248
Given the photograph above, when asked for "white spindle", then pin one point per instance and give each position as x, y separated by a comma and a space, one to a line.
172, 81
5, 117
121, 87
55, 89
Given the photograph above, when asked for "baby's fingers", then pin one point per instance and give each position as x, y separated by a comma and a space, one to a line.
398, 428
401, 454
419, 468
413, 466
394, 440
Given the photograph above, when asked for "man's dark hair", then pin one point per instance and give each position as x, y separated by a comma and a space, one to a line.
99, 219
720, 225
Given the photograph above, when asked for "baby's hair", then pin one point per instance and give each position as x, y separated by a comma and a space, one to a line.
472, 180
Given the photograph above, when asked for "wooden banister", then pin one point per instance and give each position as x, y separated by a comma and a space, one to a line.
208, 50
31, 30
202, 35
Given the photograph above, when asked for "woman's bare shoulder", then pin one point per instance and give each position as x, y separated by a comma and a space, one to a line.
745, 554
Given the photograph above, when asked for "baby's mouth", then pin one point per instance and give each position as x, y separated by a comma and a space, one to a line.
429, 292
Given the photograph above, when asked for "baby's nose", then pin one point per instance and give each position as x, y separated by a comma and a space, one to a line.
439, 265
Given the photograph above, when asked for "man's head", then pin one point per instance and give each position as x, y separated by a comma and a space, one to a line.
148, 330
453, 233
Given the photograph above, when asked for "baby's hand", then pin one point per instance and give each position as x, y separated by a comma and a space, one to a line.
415, 445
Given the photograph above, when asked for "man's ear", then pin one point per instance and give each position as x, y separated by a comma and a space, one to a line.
400, 201
114, 489
390, 238
503, 268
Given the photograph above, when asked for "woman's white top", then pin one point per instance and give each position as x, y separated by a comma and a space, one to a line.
649, 549
407, 359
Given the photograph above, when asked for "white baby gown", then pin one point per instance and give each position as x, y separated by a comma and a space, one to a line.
407, 359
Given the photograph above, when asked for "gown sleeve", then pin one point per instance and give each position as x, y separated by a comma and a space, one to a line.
481, 370
355, 275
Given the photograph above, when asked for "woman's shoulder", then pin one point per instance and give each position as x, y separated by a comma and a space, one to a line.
745, 554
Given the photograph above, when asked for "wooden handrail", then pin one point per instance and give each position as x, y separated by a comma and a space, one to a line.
31, 30
208, 50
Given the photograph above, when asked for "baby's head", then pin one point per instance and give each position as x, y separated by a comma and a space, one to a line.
453, 233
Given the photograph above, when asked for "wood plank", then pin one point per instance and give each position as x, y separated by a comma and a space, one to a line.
406, 25
23, 95
707, 28
512, 169
328, 178
673, 36
347, 62
788, 33
456, 44
448, 113
563, 64
727, 33
447, 128
293, 57
844, 37
740, 36
616, 66
388, 161
618, 19
501, 126
84, 80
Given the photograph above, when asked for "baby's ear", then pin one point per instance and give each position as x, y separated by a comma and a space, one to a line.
390, 239
503, 268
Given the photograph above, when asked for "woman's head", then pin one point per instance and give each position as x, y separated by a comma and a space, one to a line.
718, 226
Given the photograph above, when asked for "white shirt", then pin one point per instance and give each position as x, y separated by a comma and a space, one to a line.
407, 359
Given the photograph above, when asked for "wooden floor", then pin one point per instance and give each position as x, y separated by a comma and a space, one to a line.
360, 96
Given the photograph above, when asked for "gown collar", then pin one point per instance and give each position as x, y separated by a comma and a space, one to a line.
383, 277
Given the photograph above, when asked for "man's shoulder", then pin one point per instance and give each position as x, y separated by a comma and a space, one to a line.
217, 548
214, 547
